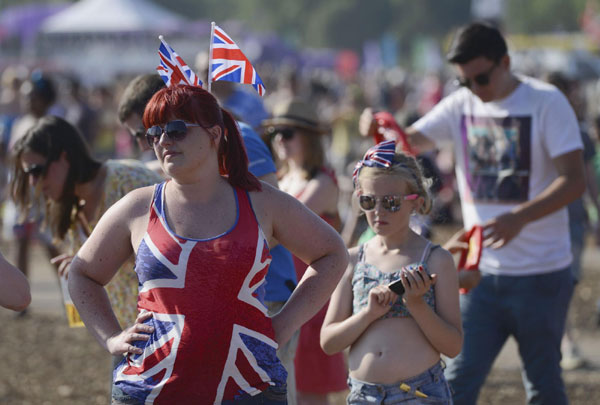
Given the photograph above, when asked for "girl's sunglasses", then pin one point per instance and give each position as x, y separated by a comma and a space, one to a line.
174, 130
481, 79
35, 171
287, 133
392, 203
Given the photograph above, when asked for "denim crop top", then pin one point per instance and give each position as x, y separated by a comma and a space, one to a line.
366, 276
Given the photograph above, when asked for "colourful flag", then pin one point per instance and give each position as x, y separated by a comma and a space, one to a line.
227, 62
380, 155
172, 69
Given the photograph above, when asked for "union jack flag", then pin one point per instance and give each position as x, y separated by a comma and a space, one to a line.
230, 64
213, 341
380, 155
172, 69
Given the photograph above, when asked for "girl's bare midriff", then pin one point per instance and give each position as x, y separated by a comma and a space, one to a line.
391, 350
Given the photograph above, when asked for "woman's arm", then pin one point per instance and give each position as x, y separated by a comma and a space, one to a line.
341, 328
98, 260
14, 288
443, 327
308, 237
320, 195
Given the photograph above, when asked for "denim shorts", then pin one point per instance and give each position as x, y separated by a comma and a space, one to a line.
431, 382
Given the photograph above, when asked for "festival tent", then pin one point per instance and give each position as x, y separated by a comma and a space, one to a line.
113, 16
24, 20
98, 40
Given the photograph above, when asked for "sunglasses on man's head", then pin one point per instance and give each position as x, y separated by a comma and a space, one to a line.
174, 130
481, 79
287, 133
392, 203
35, 171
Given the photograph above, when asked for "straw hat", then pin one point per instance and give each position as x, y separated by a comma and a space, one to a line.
295, 113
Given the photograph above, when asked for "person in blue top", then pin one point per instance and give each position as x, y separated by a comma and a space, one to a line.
281, 279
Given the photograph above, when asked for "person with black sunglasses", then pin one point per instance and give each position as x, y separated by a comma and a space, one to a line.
201, 241
519, 163
52, 161
131, 109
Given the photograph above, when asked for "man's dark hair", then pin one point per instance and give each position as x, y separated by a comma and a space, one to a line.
475, 40
137, 94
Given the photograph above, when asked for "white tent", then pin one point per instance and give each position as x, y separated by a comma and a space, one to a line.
116, 16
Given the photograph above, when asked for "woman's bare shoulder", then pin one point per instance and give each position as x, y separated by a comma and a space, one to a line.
135, 203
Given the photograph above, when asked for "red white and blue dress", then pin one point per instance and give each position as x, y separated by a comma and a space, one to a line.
213, 341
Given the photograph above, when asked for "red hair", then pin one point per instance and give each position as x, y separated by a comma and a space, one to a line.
196, 105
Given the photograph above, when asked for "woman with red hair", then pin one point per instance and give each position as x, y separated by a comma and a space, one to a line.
202, 244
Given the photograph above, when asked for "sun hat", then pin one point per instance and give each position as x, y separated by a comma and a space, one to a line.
295, 113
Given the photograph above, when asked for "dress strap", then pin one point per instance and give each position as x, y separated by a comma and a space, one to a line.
427, 252
361, 253
157, 198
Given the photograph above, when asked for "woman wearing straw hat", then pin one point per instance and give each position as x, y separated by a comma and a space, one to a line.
294, 135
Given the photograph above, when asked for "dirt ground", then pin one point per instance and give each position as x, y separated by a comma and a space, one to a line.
44, 362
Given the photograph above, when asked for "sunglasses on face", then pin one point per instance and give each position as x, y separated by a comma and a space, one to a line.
174, 130
392, 203
481, 79
35, 171
286, 133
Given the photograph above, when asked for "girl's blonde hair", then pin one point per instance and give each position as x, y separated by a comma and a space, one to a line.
408, 169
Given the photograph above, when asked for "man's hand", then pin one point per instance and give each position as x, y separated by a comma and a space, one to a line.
468, 279
499, 231
457, 243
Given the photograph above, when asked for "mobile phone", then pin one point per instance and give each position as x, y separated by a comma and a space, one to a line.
397, 287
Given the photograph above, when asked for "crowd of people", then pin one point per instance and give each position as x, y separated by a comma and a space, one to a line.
224, 248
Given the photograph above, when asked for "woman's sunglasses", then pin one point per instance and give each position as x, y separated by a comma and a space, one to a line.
481, 79
35, 171
174, 130
392, 203
287, 133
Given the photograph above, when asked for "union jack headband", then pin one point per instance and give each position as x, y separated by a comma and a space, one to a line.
380, 155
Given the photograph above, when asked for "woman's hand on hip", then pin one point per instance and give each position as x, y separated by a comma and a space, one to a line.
122, 342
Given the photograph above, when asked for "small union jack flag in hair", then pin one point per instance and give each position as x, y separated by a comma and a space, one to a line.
380, 155
229, 63
172, 69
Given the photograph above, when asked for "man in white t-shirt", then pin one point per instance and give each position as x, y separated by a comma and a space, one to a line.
518, 164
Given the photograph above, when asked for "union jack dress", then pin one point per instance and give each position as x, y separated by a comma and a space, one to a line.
213, 341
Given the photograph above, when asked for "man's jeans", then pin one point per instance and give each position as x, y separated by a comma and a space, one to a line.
532, 309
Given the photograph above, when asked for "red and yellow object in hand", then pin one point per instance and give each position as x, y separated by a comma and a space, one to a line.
469, 258
387, 129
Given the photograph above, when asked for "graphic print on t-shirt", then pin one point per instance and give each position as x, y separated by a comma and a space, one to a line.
497, 154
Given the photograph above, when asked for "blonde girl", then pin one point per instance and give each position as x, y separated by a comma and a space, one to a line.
395, 342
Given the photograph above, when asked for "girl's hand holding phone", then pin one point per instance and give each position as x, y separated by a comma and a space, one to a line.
416, 284
380, 301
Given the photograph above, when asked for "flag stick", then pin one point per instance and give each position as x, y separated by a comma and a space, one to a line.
210, 52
